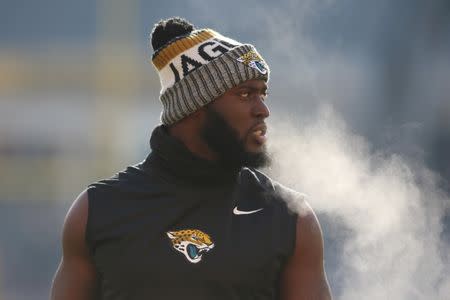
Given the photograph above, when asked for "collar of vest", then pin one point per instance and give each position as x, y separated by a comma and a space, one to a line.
174, 157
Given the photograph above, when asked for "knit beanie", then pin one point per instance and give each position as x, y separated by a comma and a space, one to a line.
197, 66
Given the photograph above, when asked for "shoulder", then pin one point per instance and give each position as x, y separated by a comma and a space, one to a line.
304, 274
309, 246
74, 228
309, 232
76, 276
295, 201
132, 179
128, 175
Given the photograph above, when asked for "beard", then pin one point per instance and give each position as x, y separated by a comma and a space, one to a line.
225, 142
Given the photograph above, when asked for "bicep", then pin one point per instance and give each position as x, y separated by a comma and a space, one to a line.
304, 276
76, 274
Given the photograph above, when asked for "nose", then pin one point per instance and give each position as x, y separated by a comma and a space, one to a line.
260, 109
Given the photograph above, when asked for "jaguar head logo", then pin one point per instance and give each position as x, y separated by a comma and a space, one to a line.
253, 60
192, 243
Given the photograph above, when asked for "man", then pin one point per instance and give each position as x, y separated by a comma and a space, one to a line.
196, 220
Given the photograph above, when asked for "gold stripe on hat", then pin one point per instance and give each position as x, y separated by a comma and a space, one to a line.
181, 45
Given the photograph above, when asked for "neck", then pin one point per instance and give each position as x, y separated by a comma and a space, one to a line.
170, 156
189, 134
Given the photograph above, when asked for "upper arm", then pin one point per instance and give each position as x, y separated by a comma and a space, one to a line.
304, 276
76, 274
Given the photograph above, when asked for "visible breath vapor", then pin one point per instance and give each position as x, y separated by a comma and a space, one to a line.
384, 210
393, 212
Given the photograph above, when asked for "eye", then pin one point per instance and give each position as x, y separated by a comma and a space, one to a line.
244, 94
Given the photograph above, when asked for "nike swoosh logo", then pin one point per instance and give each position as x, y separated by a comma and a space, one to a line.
236, 211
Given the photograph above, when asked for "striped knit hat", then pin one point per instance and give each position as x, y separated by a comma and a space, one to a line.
198, 66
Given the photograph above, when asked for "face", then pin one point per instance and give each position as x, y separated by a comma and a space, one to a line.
234, 126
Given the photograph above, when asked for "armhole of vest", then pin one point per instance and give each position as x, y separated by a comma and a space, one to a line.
88, 234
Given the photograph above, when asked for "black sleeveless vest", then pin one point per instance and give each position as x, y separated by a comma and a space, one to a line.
179, 227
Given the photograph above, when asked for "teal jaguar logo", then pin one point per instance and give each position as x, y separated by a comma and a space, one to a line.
192, 243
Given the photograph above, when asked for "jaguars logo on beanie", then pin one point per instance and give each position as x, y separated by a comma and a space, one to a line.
197, 66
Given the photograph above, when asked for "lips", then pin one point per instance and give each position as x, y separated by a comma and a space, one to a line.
261, 129
259, 133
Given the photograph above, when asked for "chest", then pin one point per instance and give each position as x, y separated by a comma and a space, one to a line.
186, 239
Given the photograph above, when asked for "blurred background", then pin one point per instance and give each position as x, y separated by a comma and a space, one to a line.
79, 96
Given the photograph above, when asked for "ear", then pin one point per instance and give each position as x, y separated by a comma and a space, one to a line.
170, 234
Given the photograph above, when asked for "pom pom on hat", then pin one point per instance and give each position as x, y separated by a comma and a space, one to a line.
166, 30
